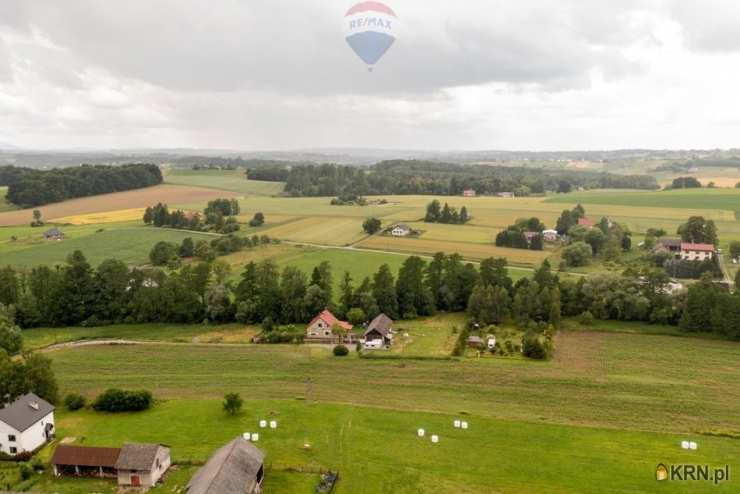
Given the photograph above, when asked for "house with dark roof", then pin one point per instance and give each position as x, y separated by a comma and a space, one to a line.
379, 333
237, 468
26, 425
142, 465
327, 328
54, 234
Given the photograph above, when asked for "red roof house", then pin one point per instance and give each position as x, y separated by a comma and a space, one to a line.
587, 222
320, 328
697, 252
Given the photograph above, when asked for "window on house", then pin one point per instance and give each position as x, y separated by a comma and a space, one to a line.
11, 438
13, 451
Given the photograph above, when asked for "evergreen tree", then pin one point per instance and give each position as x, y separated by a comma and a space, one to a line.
384, 292
464, 217
414, 298
346, 294
292, 295
493, 272
363, 299
435, 277
77, 291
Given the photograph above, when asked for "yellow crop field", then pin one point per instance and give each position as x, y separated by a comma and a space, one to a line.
119, 216
320, 230
139, 198
472, 251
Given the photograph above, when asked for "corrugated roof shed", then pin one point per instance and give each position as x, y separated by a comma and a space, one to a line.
231, 469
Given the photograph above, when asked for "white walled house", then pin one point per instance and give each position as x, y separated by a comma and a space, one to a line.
401, 231
142, 465
26, 425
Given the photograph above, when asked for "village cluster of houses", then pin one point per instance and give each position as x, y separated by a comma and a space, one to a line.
27, 424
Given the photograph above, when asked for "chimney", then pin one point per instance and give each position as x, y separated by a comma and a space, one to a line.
34, 404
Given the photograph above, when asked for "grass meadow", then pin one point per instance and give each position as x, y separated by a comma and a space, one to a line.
722, 199
597, 418
129, 243
491, 456
231, 180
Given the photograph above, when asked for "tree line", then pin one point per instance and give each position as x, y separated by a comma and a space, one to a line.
77, 294
29, 187
405, 177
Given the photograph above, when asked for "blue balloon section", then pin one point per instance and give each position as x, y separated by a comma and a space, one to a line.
370, 46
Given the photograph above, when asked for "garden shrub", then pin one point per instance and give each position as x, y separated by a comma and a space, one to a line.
118, 400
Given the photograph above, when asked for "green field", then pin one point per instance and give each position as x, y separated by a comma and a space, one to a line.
128, 242
605, 411
233, 181
491, 456
724, 199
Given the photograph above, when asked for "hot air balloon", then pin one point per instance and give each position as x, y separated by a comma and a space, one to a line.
370, 30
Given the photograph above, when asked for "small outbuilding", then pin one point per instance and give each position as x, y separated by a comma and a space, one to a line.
237, 468
379, 333
469, 193
551, 235
87, 461
475, 342
54, 234
142, 465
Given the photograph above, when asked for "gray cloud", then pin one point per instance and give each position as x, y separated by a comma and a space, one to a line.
298, 46
278, 74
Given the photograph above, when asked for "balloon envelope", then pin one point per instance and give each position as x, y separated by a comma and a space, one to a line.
370, 30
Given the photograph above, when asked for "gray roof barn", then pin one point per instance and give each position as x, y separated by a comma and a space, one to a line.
53, 233
137, 456
382, 324
234, 469
25, 411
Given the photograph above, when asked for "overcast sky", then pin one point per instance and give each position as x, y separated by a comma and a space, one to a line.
278, 75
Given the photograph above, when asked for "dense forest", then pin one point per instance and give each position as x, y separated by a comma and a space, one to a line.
428, 177
29, 187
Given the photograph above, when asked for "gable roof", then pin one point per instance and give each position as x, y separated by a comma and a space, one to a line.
331, 320
25, 411
85, 456
382, 324
53, 232
671, 242
585, 222
402, 227
137, 456
697, 247
233, 468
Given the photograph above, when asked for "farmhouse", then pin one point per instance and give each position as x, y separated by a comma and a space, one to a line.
469, 193
236, 468
379, 333
696, 252
401, 231
508, 195
54, 234
133, 465
322, 329
142, 465
531, 236
550, 235
586, 222
26, 425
